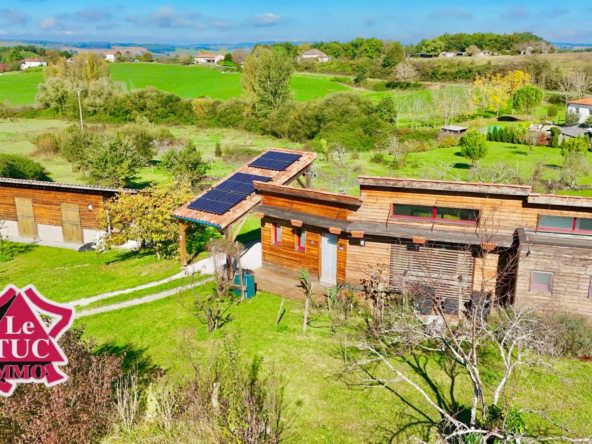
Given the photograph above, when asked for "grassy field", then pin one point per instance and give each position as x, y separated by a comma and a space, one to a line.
64, 275
15, 137
186, 81
326, 409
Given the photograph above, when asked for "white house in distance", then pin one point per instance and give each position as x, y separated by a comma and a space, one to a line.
32, 63
315, 54
582, 107
110, 56
447, 54
208, 59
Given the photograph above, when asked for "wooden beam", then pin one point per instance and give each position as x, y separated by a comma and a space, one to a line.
182, 243
300, 182
239, 227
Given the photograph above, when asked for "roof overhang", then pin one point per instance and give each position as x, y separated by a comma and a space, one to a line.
41, 184
222, 221
324, 196
560, 201
532, 237
447, 186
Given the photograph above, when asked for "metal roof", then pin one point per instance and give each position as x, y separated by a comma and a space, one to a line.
23, 183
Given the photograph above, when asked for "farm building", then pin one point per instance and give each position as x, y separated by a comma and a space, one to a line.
315, 54
581, 107
456, 238
111, 56
49, 211
208, 59
32, 63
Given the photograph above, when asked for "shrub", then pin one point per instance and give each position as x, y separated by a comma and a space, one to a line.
572, 119
79, 410
47, 145
572, 333
552, 112
448, 141
473, 146
378, 158
218, 150
16, 166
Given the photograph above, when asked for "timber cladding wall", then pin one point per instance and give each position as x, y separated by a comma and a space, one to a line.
47, 205
287, 258
572, 270
375, 253
497, 214
308, 206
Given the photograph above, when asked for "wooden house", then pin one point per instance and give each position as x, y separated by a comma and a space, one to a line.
455, 237
50, 211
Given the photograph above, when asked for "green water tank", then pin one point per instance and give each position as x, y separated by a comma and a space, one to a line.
248, 282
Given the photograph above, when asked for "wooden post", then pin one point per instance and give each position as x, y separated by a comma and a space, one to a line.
229, 257
308, 175
239, 228
182, 243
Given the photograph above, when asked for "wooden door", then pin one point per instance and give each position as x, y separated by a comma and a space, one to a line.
26, 219
71, 223
329, 259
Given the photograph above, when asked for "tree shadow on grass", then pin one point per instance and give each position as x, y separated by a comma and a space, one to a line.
134, 358
462, 166
419, 420
13, 249
130, 254
519, 152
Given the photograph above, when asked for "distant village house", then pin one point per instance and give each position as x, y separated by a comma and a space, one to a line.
315, 54
581, 107
32, 63
110, 56
208, 59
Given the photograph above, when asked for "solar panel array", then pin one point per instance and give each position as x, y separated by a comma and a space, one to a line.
275, 160
227, 194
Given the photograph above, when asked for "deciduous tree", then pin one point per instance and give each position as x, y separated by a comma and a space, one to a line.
528, 98
185, 165
145, 217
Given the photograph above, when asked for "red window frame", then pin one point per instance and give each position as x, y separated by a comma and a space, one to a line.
538, 288
276, 235
562, 230
434, 217
299, 234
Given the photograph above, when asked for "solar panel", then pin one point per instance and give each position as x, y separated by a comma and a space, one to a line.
227, 194
241, 183
275, 160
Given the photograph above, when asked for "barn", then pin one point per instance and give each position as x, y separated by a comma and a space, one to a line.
50, 211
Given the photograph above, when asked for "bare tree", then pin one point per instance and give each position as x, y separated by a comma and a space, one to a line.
582, 81
401, 104
340, 151
308, 287
565, 81
532, 138
127, 401
497, 173
405, 72
417, 109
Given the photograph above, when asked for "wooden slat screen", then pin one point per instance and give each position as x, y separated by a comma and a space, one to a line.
449, 271
26, 218
71, 223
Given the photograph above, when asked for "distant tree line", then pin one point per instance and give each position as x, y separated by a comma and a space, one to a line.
461, 42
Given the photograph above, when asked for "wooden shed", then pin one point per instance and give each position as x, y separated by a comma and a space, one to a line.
50, 211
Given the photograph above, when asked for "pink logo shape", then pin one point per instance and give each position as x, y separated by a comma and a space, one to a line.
29, 350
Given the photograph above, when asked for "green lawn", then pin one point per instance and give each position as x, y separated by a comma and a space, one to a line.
19, 88
64, 275
326, 409
186, 81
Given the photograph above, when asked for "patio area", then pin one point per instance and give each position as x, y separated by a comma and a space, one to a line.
284, 284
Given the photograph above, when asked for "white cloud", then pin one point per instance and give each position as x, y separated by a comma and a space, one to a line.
450, 13
168, 17
269, 19
13, 17
48, 23
517, 12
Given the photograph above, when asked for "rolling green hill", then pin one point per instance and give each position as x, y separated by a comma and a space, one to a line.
186, 81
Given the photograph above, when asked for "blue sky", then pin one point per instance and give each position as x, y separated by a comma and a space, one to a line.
233, 21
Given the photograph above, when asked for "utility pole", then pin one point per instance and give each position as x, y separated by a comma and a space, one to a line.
78, 90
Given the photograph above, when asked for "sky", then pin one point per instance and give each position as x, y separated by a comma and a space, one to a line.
234, 21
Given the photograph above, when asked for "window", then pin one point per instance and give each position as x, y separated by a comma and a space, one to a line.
565, 224
276, 234
460, 215
300, 239
541, 282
